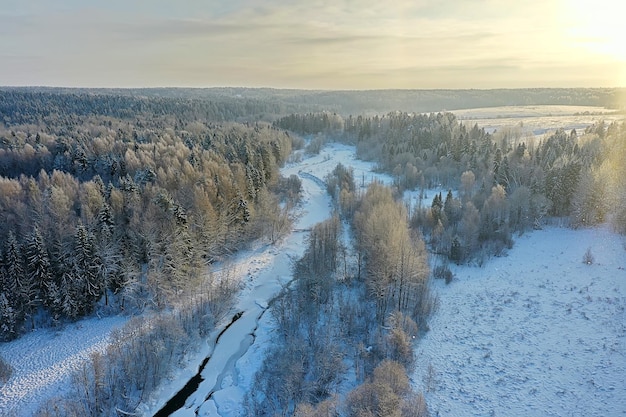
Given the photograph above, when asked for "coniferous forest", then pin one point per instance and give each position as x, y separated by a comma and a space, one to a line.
125, 211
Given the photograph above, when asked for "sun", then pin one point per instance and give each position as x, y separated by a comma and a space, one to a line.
597, 26
595, 32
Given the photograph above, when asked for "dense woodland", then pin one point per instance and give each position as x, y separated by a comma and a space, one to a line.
116, 205
118, 201
126, 213
246, 104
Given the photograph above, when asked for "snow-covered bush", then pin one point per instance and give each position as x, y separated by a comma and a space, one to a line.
399, 340
588, 257
388, 393
443, 272
5, 371
315, 145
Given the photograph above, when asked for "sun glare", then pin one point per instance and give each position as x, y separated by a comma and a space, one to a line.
597, 25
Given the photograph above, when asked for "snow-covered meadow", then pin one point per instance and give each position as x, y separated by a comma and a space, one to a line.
536, 121
44, 360
534, 333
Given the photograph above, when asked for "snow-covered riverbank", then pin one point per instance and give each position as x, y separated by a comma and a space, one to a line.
229, 373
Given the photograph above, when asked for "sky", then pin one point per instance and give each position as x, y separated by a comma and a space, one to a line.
313, 44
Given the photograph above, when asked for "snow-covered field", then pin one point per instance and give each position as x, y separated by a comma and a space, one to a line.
534, 333
43, 361
536, 120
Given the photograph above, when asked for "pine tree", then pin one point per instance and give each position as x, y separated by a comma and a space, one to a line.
456, 250
106, 224
497, 162
504, 173
69, 298
8, 319
108, 251
18, 288
452, 209
87, 266
436, 207
38, 268
53, 291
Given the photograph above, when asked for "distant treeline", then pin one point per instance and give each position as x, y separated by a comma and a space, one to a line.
31, 104
383, 101
36, 105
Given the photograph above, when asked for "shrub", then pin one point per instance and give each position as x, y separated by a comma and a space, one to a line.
588, 257
5, 370
315, 145
443, 272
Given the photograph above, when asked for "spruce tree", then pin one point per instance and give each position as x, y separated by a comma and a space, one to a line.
456, 250
87, 268
18, 288
8, 319
106, 224
38, 265
38, 269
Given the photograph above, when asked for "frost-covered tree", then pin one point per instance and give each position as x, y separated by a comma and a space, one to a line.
18, 287
86, 268
8, 319
38, 268
396, 261
589, 202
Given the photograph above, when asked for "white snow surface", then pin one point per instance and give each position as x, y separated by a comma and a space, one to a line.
534, 333
43, 361
536, 120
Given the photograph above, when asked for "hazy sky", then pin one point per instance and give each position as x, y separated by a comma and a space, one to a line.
316, 44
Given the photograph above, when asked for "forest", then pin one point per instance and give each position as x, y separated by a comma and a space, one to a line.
119, 202
507, 183
109, 206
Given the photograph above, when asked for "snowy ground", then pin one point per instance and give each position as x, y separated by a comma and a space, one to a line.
536, 120
535, 333
43, 361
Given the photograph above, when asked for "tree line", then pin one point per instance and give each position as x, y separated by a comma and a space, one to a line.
28, 105
370, 102
32, 104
